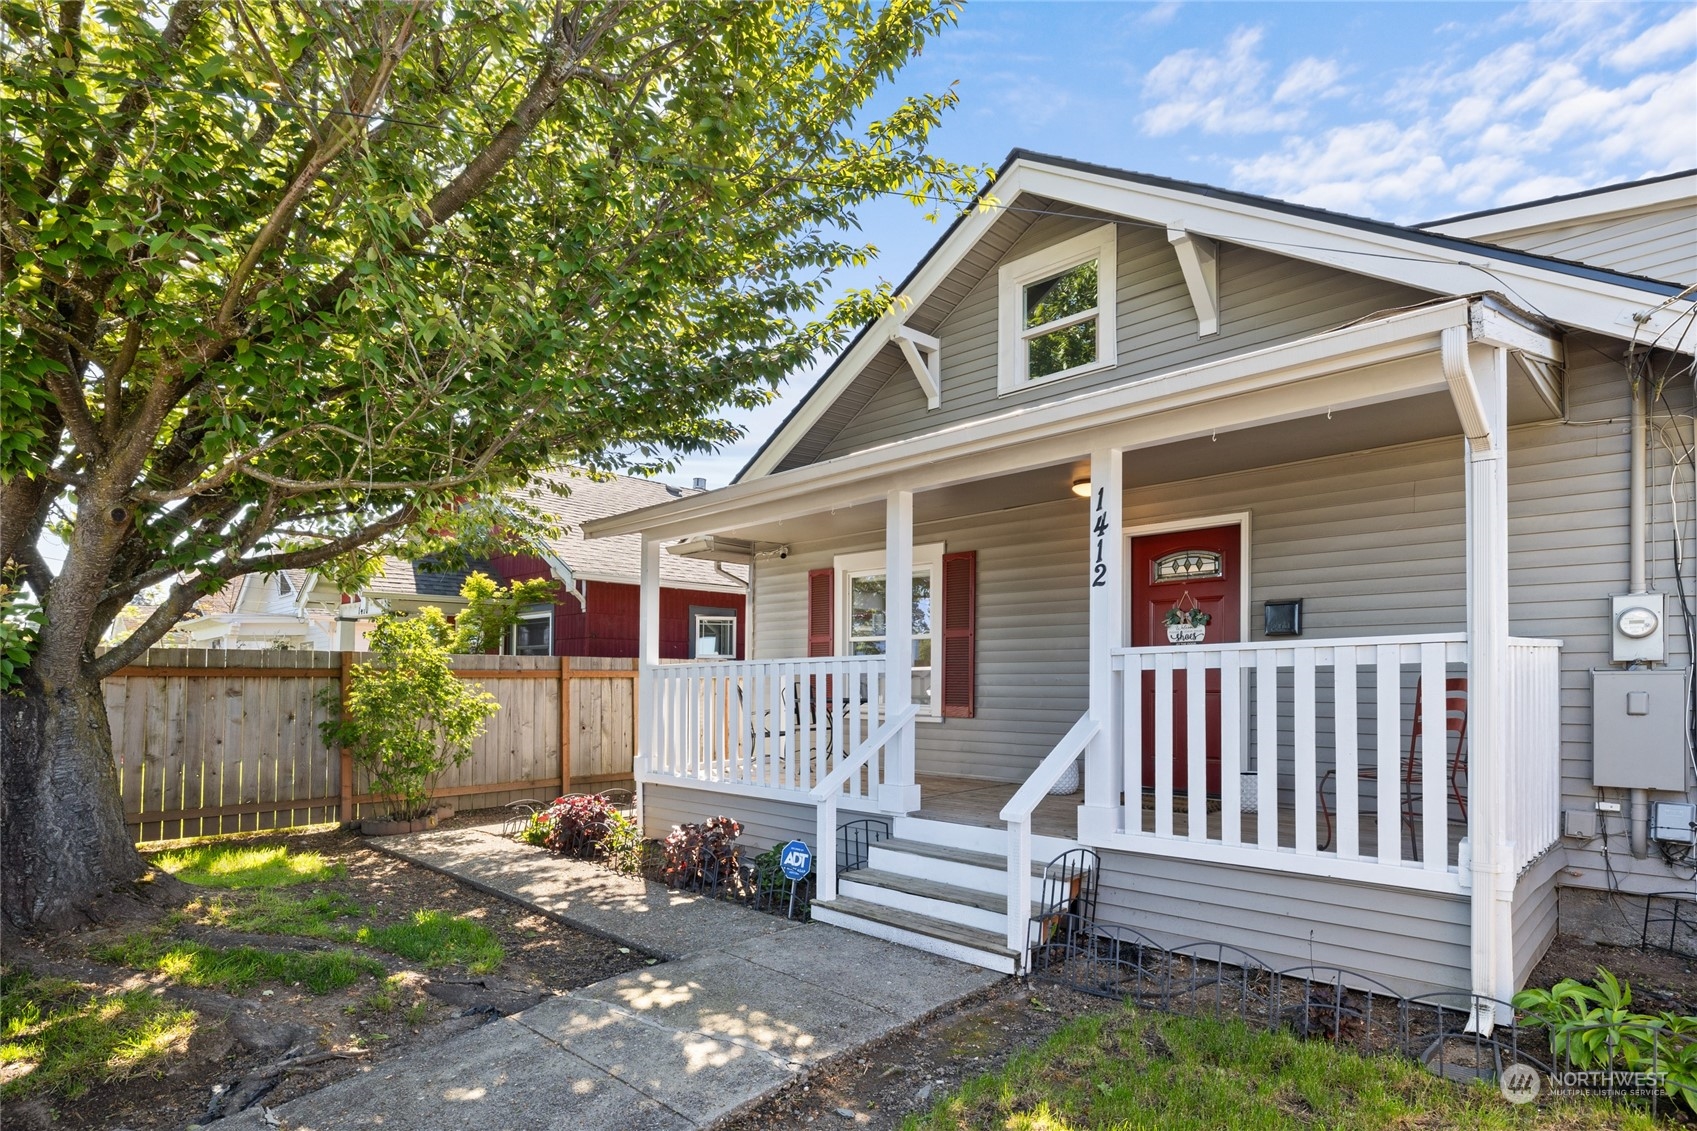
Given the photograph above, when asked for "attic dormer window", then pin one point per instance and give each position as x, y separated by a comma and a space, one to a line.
1057, 311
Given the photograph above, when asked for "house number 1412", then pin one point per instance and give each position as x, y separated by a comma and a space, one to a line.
1099, 527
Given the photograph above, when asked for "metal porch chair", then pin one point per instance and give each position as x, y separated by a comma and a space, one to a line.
1455, 725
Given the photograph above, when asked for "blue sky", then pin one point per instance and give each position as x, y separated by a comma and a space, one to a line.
1402, 112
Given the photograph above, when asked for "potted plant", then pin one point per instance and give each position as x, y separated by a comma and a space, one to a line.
407, 719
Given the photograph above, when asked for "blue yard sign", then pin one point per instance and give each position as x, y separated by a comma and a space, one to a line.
796, 861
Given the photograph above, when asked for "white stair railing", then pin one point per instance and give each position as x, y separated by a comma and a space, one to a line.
1017, 813
831, 789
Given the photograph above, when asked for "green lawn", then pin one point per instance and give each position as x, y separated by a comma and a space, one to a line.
248, 903
60, 1038
1130, 1070
239, 866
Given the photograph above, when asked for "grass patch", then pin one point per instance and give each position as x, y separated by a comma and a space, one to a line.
430, 938
436, 938
1131, 1070
318, 916
58, 1038
245, 866
234, 969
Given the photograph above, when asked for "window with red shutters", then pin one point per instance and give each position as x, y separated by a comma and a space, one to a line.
960, 633
819, 639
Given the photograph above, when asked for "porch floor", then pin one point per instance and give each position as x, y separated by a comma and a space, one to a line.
975, 801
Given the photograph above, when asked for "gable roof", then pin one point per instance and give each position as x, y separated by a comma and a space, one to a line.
1562, 292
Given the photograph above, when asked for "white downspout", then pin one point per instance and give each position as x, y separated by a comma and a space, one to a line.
1638, 580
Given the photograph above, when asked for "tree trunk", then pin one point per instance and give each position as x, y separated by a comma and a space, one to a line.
63, 844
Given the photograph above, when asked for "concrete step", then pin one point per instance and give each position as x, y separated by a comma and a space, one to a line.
986, 911
933, 936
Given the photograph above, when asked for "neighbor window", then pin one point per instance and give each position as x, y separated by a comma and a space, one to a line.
863, 626
533, 635
713, 633
1057, 311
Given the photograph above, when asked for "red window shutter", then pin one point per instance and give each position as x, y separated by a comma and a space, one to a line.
960, 633
819, 639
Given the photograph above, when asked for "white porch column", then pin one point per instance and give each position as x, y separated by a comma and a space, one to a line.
899, 792
647, 657
1103, 767
1479, 375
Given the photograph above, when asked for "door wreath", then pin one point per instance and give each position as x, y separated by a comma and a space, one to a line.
1186, 622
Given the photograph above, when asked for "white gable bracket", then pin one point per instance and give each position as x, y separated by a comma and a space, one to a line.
927, 369
1199, 258
1464, 390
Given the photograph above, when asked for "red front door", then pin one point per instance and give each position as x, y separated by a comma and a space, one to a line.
1172, 575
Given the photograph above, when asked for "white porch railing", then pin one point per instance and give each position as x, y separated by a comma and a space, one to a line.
1318, 728
1017, 813
1534, 748
778, 725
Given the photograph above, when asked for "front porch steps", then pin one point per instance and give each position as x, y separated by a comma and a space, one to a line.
939, 887
922, 932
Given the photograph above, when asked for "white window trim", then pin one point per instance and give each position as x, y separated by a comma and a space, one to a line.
543, 613
1099, 244
928, 556
695, 619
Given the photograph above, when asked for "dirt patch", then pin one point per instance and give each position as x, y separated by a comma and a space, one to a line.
1660, 981
908, 1071
284, 1029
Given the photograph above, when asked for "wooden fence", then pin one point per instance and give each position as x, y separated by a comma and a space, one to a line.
227, 741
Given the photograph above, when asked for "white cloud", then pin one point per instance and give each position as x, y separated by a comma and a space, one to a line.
1226, 91
1159, 15
1545, 112
1677, 38
1309, 78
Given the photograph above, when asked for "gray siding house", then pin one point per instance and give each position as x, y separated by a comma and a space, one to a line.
1267, 553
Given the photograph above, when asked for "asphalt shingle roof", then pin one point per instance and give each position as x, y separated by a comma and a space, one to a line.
619, 558
605, 559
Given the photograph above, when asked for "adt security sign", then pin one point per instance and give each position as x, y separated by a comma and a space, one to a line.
796, 861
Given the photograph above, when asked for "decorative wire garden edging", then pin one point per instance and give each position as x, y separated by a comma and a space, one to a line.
760, 885
1672, 909
1314, 1002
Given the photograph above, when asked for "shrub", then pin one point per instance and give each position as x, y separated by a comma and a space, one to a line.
703, 856
536, 829
622, 846
578, 824
1595, 1029
408, 718
587, 826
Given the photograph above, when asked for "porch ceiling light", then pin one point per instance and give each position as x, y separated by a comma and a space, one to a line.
1081, 488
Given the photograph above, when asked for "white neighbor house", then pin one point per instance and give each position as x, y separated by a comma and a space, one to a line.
1236, 504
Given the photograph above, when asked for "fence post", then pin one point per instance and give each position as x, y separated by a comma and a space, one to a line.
565, 725
346, 812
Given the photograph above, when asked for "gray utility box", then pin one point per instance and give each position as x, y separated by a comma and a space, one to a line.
1638, 729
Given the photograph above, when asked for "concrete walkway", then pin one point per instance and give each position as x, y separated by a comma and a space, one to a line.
745, 1003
